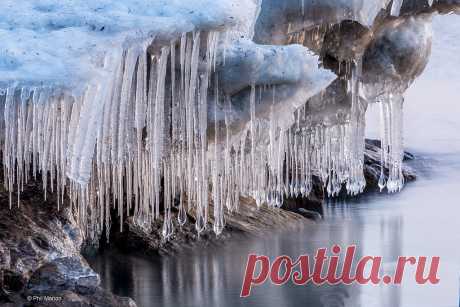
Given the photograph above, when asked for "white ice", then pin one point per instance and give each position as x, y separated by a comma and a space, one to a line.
111, 100
57, 42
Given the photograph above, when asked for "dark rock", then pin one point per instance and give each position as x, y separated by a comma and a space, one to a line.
309, 207
411, 7
313, 215
249, 220
63, 274
12, 281
40, 259
372, 166
40, 246
374, 146
343, 43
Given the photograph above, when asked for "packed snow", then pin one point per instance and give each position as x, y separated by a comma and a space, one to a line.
57, 42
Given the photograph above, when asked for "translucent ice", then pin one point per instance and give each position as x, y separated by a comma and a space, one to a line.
143, 106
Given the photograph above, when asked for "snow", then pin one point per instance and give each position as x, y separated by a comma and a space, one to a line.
113, 102
57, 42
249, 63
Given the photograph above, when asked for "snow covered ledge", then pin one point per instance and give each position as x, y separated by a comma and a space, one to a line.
116, 102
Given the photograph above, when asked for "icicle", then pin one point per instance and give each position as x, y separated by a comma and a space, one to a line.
159, 128
225, 47
356, 182
217, 173
253, 136
9, 141
168, 228
383, 144
396, 7
395, 178
143, 130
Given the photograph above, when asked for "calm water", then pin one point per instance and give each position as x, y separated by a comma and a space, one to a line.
423, 220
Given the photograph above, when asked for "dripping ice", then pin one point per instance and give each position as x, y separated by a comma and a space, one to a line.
143, 130
41, 126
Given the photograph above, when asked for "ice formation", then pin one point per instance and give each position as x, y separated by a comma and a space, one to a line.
144, 106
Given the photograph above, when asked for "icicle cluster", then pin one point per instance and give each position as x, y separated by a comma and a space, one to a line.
282, 165
122, 141
138, 142
391, 122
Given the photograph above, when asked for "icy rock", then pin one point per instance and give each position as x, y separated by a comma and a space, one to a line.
40, 254
441, 6
59, 42
398, 54
171, 103
250, 64
63, 274
346, 41
284, 77
279, 19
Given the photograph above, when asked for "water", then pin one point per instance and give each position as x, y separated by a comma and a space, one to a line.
420, 221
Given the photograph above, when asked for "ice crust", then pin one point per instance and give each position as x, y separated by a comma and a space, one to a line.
56, 42
143, 105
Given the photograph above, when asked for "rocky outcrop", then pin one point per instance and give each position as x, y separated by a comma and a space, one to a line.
40, 248
372, 166
249, 220
40, 259
40, 245
283, 69
311, 207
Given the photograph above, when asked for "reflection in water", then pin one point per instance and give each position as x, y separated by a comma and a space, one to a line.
421, 221
405, 224
214, 277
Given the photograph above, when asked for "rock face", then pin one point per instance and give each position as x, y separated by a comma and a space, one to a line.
204, 111
40, 260
372, 166
40, 246
311, 207
249, 220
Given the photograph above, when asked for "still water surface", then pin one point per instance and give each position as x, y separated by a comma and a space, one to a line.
423, 220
